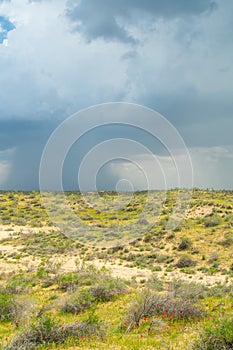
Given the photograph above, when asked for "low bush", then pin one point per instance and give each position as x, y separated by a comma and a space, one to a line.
211, 221
101, 292
6, 307
216, 337
108, 289
187, 290
185, 243
77, 302
150, 304
86, 276
220, 290
11, 308
185, 261
17, 285
47, 331
68, 282
154, 283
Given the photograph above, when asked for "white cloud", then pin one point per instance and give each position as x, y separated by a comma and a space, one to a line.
149, 171
208, 165
49, 70
185, 59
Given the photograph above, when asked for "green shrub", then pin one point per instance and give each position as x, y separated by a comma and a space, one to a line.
154, 283
211, 221
7, 307
150, 304
15, 286
157, 268
185, 243
86, 276
162, 258
220, 290
68, 282
11, 308
104, 290
108, 289
185, 261
187, 290
216, 337
77, 302
47, 331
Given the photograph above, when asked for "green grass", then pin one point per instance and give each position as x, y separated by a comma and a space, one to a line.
157, 330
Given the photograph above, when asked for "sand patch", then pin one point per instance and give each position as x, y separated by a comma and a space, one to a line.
199, 212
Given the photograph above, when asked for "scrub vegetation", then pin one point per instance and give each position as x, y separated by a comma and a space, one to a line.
165, 289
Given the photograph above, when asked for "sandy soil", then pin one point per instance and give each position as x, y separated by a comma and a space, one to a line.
125, 272
70, 263
199, 212
9, 230
11, 265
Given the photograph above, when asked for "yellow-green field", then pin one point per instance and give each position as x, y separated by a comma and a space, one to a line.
159, 290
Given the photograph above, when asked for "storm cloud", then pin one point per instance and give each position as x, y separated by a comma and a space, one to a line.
58, 56
109, 19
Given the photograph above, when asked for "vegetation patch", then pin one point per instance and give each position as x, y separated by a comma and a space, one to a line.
47, 331
217, 336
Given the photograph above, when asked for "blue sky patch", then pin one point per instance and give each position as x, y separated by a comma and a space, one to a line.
5, 27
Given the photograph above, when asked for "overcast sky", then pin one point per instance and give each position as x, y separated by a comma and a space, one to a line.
60, 56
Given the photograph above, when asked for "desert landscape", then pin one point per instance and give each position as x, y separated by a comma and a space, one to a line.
164, 290
116, 163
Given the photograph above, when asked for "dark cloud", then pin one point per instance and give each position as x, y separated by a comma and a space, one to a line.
182, 68
101, 18
171, 8
27, 138
99, 21
201, 120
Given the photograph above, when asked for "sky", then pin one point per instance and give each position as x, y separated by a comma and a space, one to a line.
58, 57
